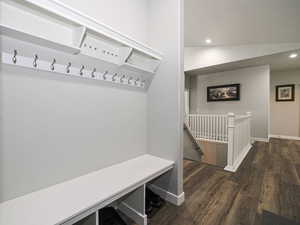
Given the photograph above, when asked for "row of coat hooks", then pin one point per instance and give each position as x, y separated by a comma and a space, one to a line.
117, 78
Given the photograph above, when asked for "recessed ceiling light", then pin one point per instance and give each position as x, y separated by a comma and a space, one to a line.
208, 41
293, 55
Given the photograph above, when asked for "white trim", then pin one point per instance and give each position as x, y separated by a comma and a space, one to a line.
168, 196
75, 16
136, 216
239, 160
284, 137
26, 62
254, 139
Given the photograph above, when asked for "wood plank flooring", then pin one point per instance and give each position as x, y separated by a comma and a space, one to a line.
268, 179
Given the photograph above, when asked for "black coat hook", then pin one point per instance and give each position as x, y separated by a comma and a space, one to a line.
81, 70
14, 59
93, 72
52, 64
68, 67
114, 77
122, 78
104, 75
35, 60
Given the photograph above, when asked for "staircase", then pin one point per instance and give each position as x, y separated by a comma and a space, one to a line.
230, 129
192, 150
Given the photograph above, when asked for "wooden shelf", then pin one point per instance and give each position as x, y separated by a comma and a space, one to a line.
23, 36
72, 200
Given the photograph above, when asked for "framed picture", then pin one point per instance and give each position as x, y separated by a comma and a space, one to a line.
285, 93
230, 92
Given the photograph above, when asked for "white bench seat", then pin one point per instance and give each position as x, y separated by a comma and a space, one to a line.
60, 203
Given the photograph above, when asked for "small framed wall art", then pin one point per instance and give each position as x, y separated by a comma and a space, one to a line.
285, 93
229, 92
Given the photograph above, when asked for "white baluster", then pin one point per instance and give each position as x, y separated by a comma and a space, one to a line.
216, 127
221, 128
208, 124
231, 133
249, 114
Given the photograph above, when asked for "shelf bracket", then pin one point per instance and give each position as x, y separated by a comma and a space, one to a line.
78, 36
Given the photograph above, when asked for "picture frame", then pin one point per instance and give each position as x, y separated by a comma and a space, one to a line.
285, 93
228, 92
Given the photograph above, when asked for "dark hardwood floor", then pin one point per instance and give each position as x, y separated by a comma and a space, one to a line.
268, 179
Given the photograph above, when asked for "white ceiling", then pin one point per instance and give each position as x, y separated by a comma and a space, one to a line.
277, 62
236, 22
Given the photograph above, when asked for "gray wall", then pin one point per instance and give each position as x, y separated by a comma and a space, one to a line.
255, 83
54, 128
129, 17
280, 111
165, 95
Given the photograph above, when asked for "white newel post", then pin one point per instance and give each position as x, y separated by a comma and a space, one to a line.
249, 114
230, 155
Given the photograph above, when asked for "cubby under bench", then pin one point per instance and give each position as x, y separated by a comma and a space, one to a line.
67, 203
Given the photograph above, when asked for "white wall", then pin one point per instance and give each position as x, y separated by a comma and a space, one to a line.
55, 128
285, 116
165, 95
129, 17
255, 83
201, 57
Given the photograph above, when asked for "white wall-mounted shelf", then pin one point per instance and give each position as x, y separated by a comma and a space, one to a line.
21, 35
76, 17
59, 27
136, 68
70, 201
124, 56
78, 36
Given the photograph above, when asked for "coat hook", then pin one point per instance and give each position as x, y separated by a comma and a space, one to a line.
34, 60
93, 72
137, 80
68, 67
114, 77
14, 59
81, 70
104, 75
52, 64
130, 79
122, 78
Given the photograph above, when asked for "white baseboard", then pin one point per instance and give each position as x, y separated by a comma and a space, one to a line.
254, 139
136, 216
239, 160
284, 137
168, 196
